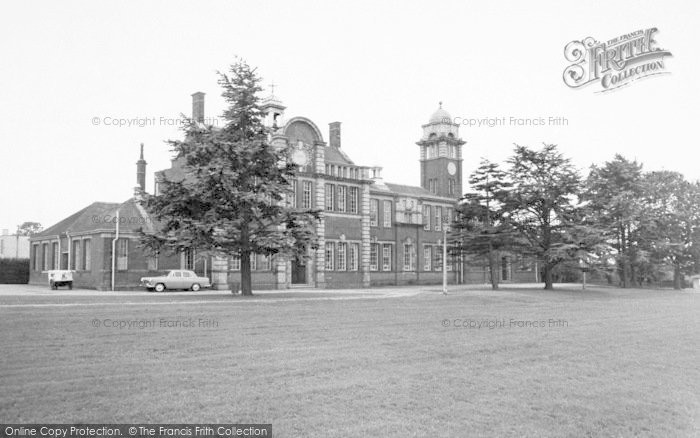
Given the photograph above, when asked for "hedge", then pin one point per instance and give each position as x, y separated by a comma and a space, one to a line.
14, 271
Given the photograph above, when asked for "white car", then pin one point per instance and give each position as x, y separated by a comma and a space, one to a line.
176, 279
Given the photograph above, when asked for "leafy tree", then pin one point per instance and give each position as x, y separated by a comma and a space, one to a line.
29, 228
479, 225
614, 193
673, 205
542, 205
231, 201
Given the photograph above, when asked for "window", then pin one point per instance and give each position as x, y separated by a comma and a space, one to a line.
448, 218
122, 254
35, 252
188, 259
253, 261
353, 197
373, 212
438, 217
387, 214
437, 258
55, 256
330, 196
426, 217
342, 254
330, 247
306, 194
386, 257
235, 263
75, 256
505, 269
354, 256
374, 257
451, 186
44, 256
408, 257
86, 255
452, 151
342, 198
427, 258
265, 262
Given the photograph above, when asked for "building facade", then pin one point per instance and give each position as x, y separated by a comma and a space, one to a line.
371, 232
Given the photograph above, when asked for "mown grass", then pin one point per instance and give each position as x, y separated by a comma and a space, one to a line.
626, 364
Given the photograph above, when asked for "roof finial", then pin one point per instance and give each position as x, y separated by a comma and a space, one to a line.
141, 151
272, 88
440, 104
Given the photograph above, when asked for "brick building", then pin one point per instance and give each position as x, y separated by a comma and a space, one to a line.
371, 232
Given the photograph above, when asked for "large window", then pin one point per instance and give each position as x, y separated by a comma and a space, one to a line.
438, 218
330, 253
188, 259
330, 196
387, 213
353, 197
235, 263
374, 257
75, 256
386, 257
306, 194
354, 261
86, 255
408, 257
342, 198
426, 217
373, 212
342, 257
293, 196
36, 257
55, 258
427, 258
122, 254
451, 186
253, 261
265, 262
437, 258
44, 256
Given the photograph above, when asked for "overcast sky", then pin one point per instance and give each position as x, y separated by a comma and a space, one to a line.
378, 67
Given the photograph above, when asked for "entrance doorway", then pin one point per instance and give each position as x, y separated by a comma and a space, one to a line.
298, 270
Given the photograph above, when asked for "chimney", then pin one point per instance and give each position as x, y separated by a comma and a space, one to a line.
334, 134
198, 107
141, 172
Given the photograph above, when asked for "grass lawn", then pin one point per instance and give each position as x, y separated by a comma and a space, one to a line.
614, 363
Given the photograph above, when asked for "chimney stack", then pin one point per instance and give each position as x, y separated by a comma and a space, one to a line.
141, 171
334, 134
198, 107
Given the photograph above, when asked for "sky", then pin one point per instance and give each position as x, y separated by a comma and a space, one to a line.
69, 71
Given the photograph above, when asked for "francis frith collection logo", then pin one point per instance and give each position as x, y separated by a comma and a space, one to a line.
614, 63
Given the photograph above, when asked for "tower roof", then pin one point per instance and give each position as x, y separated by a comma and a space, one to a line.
440, 116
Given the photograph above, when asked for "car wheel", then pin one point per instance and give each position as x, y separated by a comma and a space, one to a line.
196, 287
160, 287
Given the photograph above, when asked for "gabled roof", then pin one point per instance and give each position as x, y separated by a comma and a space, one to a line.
101, 216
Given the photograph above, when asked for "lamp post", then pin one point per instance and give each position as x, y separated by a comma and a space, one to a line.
445, 222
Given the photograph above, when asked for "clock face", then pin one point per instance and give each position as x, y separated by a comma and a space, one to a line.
299, 157
451, 168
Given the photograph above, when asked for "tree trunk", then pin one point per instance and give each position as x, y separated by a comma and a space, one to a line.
493, 268
677, 276
246, 283
548, 281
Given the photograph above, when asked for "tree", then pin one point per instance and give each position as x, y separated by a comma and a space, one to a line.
614, 194
673, 205
232, 200
542, 205
480, 227
29, 228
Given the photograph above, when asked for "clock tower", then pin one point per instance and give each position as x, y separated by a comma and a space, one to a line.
441, 155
